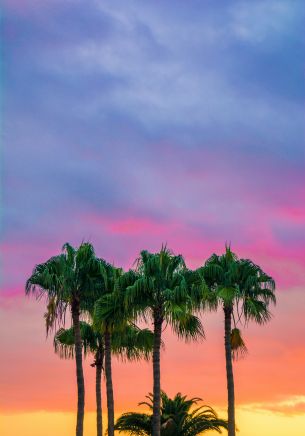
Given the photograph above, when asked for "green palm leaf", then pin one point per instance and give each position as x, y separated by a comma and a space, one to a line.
178, 418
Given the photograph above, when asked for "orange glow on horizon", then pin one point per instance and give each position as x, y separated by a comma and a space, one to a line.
250, 422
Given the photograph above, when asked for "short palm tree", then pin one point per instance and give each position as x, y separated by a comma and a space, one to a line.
166, 292
177, 418
245, 292
132, 344
68, 281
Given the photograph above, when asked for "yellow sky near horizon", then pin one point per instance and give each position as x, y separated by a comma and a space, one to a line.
250, 421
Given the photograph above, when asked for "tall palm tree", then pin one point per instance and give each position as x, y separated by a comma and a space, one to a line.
177, 419
64, 341
245, 292
68, 281
166, 292
104, 319
131, 344
111, 319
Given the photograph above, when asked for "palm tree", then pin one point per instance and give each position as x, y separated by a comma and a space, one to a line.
132, 344
177, 419
111, 319
105, 318
245, 292
68, 281
166, 292
92, 343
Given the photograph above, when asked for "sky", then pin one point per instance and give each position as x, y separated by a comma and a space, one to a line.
132, 124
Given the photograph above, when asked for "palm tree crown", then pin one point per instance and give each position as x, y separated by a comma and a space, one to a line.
164, 288
239, 284
131, 344
67, 280
178, 418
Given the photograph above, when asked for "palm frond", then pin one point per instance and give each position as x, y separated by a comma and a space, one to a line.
135, 424
132, 343
256, 310
186, 325
64, 341
178, 418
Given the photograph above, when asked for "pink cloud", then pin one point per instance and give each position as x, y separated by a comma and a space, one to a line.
128, 225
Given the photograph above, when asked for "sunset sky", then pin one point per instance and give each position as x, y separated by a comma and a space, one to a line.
133, 123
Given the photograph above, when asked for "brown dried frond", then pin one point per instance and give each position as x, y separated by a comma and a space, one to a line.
238, 346
50, 315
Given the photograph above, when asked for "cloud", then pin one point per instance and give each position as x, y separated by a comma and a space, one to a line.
292, 406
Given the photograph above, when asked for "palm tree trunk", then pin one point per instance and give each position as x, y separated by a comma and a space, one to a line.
79, 369
230, 378
109, 387
156, 422
99, 367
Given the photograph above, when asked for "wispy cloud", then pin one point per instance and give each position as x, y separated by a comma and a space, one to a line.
294, 405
